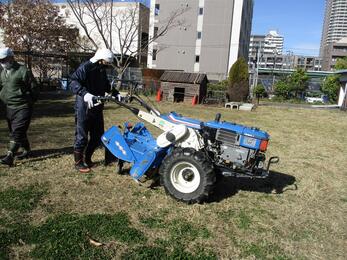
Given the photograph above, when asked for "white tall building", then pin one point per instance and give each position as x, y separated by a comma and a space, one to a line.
274, 43
215, 34
266, 45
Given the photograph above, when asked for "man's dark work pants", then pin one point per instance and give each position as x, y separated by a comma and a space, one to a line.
18, 120
90, 121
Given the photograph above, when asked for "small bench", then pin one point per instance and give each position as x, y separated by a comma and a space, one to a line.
246, 107
233, 105
239, 106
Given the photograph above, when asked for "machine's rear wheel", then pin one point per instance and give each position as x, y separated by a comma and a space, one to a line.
187, 175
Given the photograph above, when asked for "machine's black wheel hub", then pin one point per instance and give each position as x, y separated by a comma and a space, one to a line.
188, 175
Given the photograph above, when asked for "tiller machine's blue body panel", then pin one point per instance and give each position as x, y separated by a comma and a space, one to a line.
136, 146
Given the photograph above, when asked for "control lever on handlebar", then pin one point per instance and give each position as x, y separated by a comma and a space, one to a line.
127, 99
100, 99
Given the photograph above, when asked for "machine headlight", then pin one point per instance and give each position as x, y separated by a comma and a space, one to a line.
249, 141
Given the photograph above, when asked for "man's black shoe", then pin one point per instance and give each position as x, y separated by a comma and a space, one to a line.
25, 154
80, 165
8, 159
89, 163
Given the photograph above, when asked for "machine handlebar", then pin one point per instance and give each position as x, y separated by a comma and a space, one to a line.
132, 95
97, 99
133, 85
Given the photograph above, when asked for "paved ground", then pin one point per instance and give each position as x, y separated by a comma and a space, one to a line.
300, 105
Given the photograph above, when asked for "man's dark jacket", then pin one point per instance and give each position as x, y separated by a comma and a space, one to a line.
18, 88
89, 78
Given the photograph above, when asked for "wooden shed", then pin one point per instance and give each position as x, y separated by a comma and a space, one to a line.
182, 87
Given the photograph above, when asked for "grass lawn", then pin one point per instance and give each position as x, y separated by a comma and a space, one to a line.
49, 211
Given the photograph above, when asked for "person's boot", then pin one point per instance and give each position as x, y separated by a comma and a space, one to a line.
109, 157
80, 165
8, 159
88, 160
88, 157
25, 152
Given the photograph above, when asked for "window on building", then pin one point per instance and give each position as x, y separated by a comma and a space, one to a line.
157, 9
144, 41
199, 35
154, 56
201, 11
197, 58
155, 32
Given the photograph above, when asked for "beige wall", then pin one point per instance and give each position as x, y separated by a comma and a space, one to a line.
226, 31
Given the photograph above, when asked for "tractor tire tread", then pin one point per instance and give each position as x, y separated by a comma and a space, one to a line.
199, 160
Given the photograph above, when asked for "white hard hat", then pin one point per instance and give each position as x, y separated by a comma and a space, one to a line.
103, 54
5, 52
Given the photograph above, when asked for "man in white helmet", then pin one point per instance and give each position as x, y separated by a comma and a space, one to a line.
88, 81
18, 91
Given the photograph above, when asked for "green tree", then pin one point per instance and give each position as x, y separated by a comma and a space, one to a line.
238, 81
298, 82
259, 91
331, 87
282, 89
341, 64
221, 85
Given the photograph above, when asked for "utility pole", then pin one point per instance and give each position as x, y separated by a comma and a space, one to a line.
273, 69
257, 66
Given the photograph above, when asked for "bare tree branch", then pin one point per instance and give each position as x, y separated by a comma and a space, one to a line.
77, 10
120, 27
35, 26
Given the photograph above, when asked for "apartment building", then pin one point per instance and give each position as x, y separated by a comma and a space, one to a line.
266, 45
287, 61
212, 37
273, 43
335, 51
334, 29
129, 22
256, 45
266, 51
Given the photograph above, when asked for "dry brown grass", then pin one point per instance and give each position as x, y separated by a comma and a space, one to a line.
244, 219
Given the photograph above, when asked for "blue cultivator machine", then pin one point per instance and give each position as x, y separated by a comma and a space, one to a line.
189, 153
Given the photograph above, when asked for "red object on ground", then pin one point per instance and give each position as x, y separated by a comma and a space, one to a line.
159, 96
195, 100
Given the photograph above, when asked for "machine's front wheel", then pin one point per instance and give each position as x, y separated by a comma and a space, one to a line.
187, 175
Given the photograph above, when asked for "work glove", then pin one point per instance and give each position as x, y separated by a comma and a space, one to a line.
89, 99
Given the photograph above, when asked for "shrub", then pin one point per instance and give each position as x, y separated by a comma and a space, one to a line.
341, 63
298, 82
282, 89
221, 85
238, 81
330, 87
